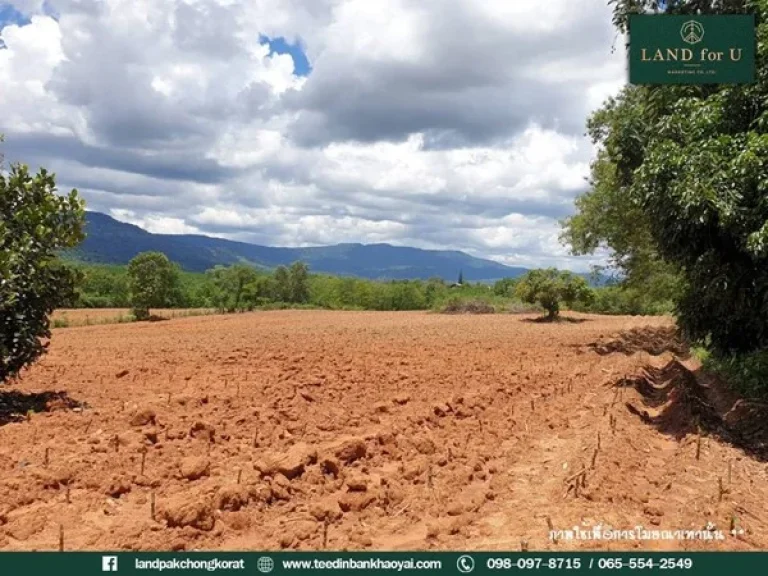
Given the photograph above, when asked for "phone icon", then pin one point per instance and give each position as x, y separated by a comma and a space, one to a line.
465, 564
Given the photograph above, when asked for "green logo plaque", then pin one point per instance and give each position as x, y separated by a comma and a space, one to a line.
666, 49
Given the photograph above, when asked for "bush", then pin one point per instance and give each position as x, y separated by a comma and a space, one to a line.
459, 306
35, 223
620, 300
747, 374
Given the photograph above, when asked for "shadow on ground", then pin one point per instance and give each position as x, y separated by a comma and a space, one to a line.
558, 320
678, 402
653, 340
15, 405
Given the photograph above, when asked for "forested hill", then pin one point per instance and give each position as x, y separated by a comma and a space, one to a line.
110, 241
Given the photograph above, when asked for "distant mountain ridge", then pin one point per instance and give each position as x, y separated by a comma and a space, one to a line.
110, 241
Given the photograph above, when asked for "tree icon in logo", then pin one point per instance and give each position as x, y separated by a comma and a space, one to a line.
692, 32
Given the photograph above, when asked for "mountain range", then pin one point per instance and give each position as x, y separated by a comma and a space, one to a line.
110, 241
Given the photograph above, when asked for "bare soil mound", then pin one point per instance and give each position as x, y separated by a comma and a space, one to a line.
676, 402
653, 340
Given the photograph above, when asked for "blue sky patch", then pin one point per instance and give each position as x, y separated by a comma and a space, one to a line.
9, 15
280, 45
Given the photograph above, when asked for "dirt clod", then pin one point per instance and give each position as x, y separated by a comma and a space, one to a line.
356, 501
118, 486
330, 465
290, 464
232, 497
357, 483
194, 467
348, 449
326, 509
143, 417
203, 430
180, 512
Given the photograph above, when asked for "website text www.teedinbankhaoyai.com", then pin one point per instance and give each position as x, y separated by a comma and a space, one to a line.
363, 564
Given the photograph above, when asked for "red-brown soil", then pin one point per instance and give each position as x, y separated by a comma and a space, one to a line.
379, 431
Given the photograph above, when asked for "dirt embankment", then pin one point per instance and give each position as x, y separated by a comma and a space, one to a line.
374, 431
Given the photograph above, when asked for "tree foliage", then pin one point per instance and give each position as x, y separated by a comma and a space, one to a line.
153, 283
229, 287
108, 286
505, 287
550, 287
680, 186
35, 223
607, 218
282, 285
298, 281
623, 8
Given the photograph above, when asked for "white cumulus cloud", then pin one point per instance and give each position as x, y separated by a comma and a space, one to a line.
436, 123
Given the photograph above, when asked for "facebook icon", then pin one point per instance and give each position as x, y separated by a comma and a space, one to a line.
109, 563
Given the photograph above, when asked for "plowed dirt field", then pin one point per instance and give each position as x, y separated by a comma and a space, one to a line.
345, 430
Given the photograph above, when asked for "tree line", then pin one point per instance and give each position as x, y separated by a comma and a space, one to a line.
152, 281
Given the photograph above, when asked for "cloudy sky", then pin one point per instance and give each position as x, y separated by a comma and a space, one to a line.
432, 123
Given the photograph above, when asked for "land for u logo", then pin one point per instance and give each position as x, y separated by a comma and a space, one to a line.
667, 49
692, 32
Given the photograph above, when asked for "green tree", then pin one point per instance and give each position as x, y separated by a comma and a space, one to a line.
683, 167
345, 289
606, 218
433, 290
35, 223
102, 286
505, 287
153, 282
229, 286
550, 287
259, 292
299, 283
461, 277
282, 284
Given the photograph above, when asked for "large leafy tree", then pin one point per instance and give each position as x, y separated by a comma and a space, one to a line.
154, 283
282, 284
550, 287
35, 223
299, 282
230, 286
606, 216
682, 173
